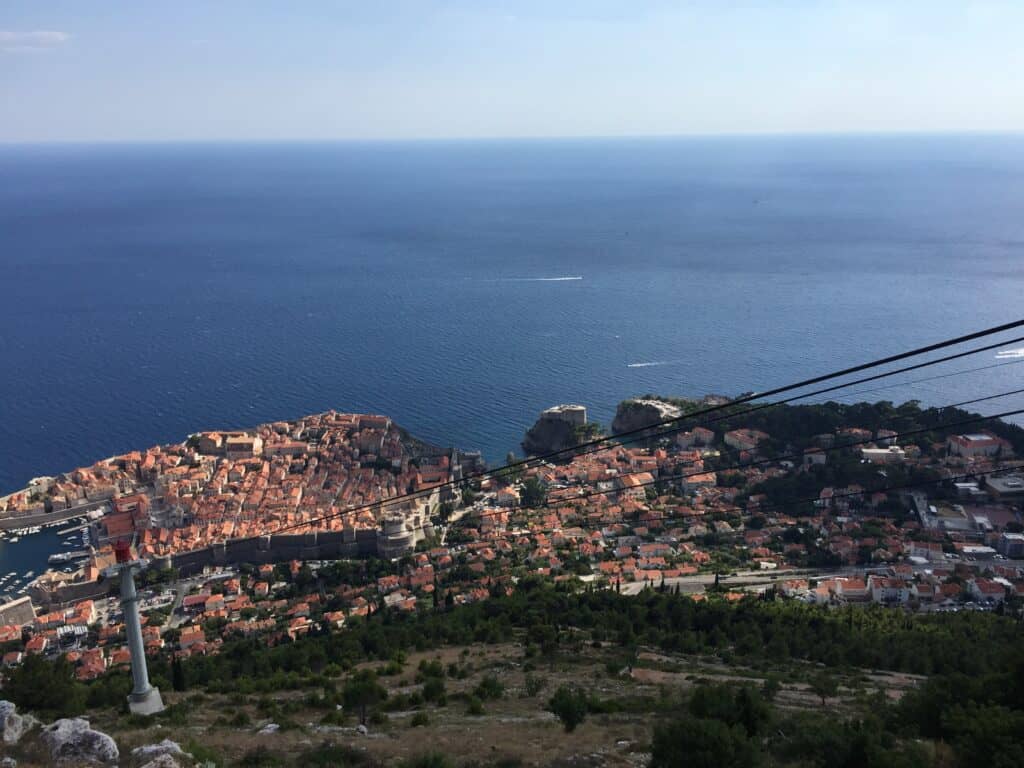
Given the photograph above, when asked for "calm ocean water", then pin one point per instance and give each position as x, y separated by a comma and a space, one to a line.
152, 291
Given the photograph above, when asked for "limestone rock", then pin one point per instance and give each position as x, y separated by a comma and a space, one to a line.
149, 753
643, 413
165, 760
12, 725
557, 429
270, 728
72, 742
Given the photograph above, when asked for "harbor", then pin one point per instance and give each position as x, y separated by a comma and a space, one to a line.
26, 553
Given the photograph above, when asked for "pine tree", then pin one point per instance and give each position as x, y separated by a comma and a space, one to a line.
178, 675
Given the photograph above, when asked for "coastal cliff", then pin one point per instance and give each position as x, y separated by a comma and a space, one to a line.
639, 413
558, 429
642, 413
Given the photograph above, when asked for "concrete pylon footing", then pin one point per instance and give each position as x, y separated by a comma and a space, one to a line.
148, 703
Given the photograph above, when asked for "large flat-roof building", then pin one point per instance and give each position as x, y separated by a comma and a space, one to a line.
976, 444
1005, 486
1011, 545
17, 613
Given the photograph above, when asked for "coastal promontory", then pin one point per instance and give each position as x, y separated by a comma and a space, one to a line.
559, 428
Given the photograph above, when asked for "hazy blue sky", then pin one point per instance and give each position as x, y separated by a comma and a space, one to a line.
254, 69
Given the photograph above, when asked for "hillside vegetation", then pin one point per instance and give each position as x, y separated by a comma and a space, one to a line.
678, 682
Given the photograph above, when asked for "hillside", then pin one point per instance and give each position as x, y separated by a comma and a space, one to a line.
635, 681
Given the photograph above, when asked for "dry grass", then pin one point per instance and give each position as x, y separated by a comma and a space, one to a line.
515, 726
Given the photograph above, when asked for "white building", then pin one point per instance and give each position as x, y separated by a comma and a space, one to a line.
891, 455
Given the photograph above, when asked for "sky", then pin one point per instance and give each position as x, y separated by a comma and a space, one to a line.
195, 70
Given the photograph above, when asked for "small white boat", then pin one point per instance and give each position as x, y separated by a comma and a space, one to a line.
15, 539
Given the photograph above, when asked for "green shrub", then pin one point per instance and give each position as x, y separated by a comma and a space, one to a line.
420, 718
361, 692
176, 714
334, 717
741, 705
569, 706
203, 754
110, 691
697, 743
261, 757
241, 719
613, 667
534, 685
47, 688
287, 724
434, 690
428, 669
475, 706
396, 703
330, 755
489, 688
139, 721
428, 760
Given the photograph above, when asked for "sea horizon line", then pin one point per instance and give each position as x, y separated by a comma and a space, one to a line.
524, 139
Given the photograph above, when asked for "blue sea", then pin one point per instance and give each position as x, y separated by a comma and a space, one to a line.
150, 291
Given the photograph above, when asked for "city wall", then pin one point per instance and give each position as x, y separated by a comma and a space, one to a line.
29, 518
329, 545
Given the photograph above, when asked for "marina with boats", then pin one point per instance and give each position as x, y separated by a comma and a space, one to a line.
30, 551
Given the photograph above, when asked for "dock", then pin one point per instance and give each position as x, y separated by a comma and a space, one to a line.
67, 557
72, 529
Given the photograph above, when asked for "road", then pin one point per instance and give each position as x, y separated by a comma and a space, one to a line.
697, 582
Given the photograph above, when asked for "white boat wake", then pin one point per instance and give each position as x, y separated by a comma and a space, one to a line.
563, 279
545, 279
653, 363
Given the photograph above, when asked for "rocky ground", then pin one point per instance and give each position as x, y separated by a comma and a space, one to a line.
510, 726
